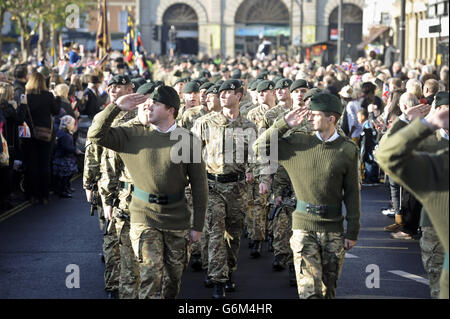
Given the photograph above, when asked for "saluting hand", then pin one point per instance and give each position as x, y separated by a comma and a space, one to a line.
130, 101
349, 244
420, 110
297, 116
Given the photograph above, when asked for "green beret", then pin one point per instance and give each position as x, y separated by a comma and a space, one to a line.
265, 85
225, 70
441, 98
254, 84
310, 93
276, 78
137, 82
191, 87
298, 84
230, 85
119, 80
213, 89
283, 83
236, 74
219, 82
325, 102
180, 80
166, 95
205, 73
206, 85
262, 76
146, 88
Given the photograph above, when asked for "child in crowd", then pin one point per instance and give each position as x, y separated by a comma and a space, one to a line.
367, 146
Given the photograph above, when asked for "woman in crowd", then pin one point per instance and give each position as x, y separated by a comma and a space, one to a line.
38, 116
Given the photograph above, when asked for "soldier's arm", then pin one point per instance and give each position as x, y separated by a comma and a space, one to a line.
352, 195
109, 181
199, 185
103, 134
262, 144
281, 181
419, 173
91, 171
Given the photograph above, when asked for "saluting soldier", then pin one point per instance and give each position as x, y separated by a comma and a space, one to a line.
94, 162
323, 169
226, 137
161, 227
116, 190
425, 175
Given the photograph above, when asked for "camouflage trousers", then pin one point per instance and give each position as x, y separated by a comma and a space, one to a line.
258, 214
248, 209
129, 267
196, 248
318, 260
282, 232
163, 256
111, 252
432, 258
225, 213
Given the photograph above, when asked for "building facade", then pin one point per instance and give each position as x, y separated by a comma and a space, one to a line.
228, 27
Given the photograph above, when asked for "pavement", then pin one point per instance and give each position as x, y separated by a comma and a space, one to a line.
53, 252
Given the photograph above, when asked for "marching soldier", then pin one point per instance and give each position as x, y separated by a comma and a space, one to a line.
257, 231
116, 190
323, 169
225, 137
160, 220
94, 161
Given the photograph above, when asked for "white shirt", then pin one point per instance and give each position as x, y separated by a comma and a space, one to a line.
172, 128
335, 136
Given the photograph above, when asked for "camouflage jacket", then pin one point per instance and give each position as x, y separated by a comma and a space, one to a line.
274, 114
226, 143
256, 115
191, 115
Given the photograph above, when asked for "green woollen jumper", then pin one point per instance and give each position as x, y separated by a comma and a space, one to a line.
147, 155
322, 173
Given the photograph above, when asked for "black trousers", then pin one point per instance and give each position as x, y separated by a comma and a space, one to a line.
36, 157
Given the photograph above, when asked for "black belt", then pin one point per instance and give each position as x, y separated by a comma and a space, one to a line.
226, 178
320, 210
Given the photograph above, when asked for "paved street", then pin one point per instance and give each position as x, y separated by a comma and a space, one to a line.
38, 243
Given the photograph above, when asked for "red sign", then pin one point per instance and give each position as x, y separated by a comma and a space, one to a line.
334, 34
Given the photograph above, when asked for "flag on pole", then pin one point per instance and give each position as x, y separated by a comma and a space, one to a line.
128, 42
103, 42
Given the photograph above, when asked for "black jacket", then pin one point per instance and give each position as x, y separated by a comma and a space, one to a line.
42, 106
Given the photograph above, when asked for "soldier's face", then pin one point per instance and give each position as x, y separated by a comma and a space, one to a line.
212, 102
319, 121
115, 91
283, 94
179, 87
153, 112
228, 99
203, 97
191, 99
254, 96
266, 97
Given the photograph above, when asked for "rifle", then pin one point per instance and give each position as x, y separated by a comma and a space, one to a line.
94, 199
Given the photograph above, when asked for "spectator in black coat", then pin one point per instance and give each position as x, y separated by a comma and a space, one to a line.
93, 100
41, 107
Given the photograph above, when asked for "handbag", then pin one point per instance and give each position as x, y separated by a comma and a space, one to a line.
41, 133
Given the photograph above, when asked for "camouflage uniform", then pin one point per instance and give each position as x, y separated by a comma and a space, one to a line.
112, 188
91, 176
432, 258
189, 116
318, 259
225, 215
258, 214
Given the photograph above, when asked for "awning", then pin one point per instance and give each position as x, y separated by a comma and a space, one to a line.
375, 32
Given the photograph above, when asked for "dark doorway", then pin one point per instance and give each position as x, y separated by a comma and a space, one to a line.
352, 23
185, 21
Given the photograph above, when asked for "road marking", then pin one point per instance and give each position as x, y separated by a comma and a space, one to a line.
410, 276
347, 255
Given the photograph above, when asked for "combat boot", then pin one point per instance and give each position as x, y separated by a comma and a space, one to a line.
292, 278
256, 249
196, 262
277, 265
230, 286
218, 292
396, 226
